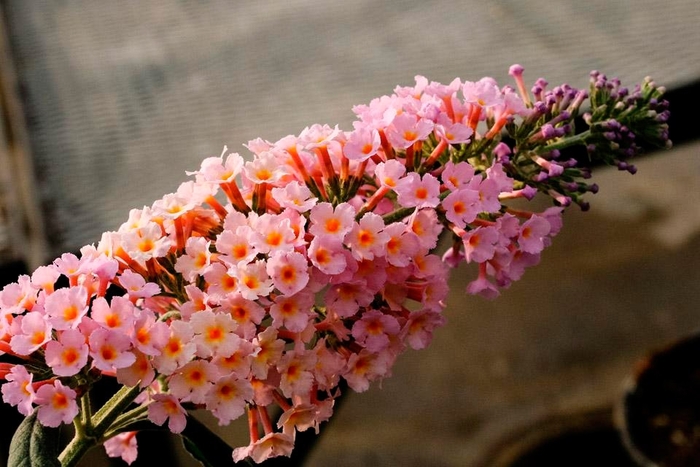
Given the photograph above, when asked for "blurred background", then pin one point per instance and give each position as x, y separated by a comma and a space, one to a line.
105, 105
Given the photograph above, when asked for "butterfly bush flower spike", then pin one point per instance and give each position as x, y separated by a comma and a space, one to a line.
271, 280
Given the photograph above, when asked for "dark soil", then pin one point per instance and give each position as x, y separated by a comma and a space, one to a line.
663, 411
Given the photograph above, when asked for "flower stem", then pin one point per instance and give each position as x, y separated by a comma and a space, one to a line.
83, 441
565, 142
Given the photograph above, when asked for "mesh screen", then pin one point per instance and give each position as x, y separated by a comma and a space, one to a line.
123, 97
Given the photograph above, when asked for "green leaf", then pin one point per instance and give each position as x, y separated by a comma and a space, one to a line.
204, 445
34, 445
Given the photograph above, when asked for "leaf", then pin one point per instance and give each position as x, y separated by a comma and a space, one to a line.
204, 445
34, 445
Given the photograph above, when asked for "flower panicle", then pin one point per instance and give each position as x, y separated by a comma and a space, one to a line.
266, 281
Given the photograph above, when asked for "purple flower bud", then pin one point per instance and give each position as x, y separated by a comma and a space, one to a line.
502, 150
548, 131
593, 188
610, 135
516, 70
540, 177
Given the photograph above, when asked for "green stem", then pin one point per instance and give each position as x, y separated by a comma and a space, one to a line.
83, 440
565, 143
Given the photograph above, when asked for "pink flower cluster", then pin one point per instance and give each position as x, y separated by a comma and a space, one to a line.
266, 281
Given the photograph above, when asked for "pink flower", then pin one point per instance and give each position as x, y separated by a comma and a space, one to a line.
253, 280
235, 246
193, 381
56, 404
294, 195
19, 296
269, 351
406, 129
419, 328
265, 168
401, 245
148, 335
221, 281
374, 330
35, 332
327, 254
292, 312
117, 316
289, 271
325, 220
166, 407
532, 234
18, 390
414, 191
480, 244
136, 286
362, 144
295, 372
461, 207
196, 260
227, 398
271, 445
272, 233
110, 350
146, 242
213, 333
389, 173
345, 299
367, 239
424, 223
454, 133
216, 170
245, 312
66, 307
457, 176
68, 355
364, 367
122, 445
140, 373
178, 350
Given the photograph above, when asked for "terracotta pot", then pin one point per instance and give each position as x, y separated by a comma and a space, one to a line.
586, 438
659, 414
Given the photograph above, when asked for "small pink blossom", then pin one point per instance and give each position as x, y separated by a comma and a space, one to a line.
18, 390
253, 280
367, 239
480, 244
416, 191
292, 312
136, 286
294, 195
68, 355
35, 331
289, 271
326, 253
374, 330
166, 407
389, 173
66, 307
336, 222
406, 129
228, 397
122, 445
362, 144
532, 234
110, 349
196, 259
56, 404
